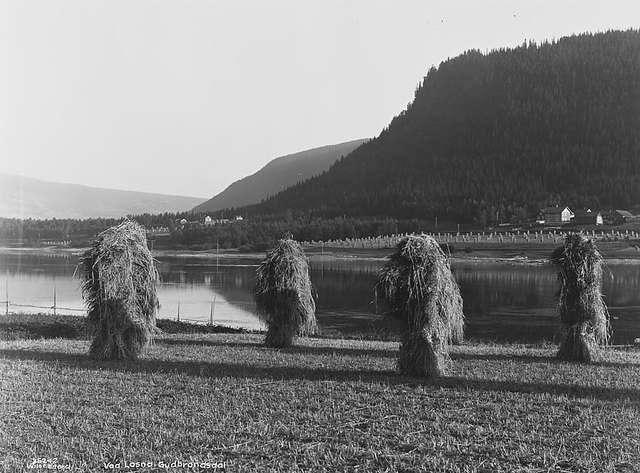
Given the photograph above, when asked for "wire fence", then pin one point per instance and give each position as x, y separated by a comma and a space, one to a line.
8, 303
212, 306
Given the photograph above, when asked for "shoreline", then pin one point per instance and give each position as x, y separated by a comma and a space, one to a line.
616, 253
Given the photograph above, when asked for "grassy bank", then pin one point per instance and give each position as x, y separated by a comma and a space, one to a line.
537, 329
533, 328
325, 405
35, 326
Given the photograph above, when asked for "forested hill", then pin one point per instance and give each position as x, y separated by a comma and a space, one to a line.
278, 174
497, 136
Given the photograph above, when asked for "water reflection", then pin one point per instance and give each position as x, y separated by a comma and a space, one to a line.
500, 301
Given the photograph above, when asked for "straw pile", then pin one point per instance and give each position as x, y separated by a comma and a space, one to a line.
283, 294
583, 313
417, 287
119, 287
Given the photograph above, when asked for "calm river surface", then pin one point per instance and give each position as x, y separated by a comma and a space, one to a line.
502, 301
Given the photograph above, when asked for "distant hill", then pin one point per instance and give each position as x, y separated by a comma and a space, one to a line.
493, 137
278, 175
32, 198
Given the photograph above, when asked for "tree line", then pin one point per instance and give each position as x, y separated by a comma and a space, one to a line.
251, 234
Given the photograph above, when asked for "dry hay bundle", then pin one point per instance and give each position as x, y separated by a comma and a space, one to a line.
119, 280
416, 286
284, 295
583, 312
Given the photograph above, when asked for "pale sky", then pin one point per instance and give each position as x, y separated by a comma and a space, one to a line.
184, 97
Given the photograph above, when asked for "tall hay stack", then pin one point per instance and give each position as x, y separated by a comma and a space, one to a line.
582, 310
417, 286
284, 295
119, 281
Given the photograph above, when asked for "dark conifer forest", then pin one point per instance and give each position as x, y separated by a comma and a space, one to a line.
493, 137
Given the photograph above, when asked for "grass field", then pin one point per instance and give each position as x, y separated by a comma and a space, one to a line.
325, 405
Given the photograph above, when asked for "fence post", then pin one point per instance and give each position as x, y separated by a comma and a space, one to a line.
178, 311
213, 303
6, 288
54, 300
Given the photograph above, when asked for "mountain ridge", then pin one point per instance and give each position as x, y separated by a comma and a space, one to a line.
26, 197
278, 174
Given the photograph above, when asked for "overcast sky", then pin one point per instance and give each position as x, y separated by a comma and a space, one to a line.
184, 97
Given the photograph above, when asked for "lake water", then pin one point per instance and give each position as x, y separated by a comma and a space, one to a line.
502, 301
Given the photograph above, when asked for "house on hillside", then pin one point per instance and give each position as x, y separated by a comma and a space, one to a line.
555, 215
619, 217
208, 221
587, 217
184, 223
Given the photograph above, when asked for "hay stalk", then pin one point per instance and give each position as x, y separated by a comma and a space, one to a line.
581, 307
284, 294
119, 280
417, 287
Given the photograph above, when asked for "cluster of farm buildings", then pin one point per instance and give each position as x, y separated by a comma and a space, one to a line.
548, 217
552, 216
207, 221
184, 223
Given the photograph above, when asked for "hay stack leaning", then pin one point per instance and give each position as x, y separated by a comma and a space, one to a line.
119, 281
582, 310
284, 294
416, 286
